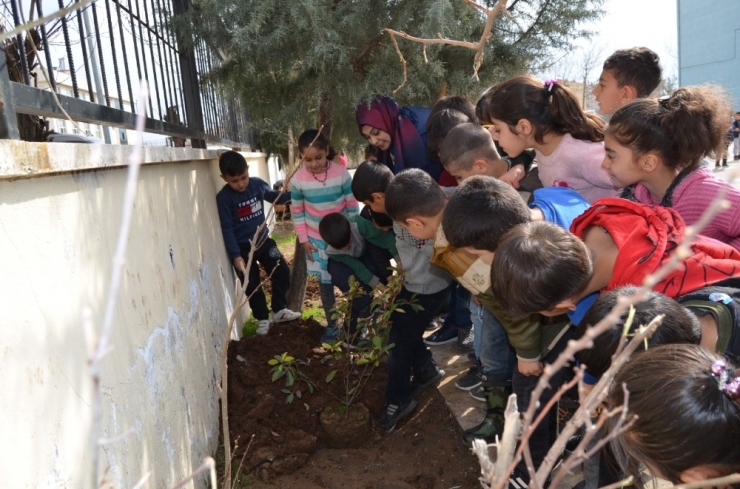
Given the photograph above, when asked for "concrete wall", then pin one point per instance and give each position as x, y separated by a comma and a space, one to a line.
58, 232
709, 44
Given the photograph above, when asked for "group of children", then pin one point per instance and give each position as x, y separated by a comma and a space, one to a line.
614, 204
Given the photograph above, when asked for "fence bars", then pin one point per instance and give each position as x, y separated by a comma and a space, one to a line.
134, 39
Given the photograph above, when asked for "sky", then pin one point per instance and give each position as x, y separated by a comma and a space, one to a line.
629, 23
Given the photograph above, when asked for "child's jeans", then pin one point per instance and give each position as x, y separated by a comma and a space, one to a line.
458, 314
523, 386
269, 257
492, 347
410, 354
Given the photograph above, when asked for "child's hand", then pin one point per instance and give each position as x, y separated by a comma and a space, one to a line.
513, 176
240, 265
529, 369
310, 248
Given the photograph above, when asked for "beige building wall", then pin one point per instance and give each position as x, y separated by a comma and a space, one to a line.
58, 232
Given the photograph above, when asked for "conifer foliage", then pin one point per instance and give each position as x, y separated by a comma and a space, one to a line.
297, 63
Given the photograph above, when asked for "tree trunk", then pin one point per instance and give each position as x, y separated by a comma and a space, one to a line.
298, 275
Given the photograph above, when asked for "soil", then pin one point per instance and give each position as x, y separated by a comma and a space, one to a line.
289, 448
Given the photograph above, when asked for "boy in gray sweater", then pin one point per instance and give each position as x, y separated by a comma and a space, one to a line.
424, 284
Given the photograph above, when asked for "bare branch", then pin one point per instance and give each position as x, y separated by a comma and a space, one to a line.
403, 62
208, 464
475, 46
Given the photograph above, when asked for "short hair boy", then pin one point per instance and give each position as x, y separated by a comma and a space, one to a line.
241, 211
628, 74
625, 242
348, 243
469, 150
357, 249
424, 284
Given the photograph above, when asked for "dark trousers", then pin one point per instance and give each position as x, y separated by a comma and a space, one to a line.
409, 353
523, 386
340, 275
378, 261
269, 257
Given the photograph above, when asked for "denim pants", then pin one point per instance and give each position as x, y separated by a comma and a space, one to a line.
492, 347
458, 314
409, 353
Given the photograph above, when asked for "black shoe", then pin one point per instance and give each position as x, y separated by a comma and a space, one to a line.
394, 413
431, 376
470, 380
442, 336
465, 338
435, 324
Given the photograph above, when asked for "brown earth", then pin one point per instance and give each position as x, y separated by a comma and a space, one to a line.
290, 450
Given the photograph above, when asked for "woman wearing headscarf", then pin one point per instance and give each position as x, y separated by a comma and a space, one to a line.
399, 133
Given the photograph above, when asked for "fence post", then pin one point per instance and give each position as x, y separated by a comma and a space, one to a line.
189, 77
8, 117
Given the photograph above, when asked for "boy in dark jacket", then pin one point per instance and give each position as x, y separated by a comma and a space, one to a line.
241, 211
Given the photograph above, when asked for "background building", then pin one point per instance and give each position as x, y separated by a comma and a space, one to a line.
709, 44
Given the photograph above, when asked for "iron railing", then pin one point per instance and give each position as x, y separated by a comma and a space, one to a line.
101, 51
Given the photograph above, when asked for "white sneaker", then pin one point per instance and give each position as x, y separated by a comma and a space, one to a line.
285, 315
263, 326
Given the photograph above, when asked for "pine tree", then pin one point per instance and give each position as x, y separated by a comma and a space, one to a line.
291, 61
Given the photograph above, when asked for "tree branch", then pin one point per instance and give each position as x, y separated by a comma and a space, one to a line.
475, 46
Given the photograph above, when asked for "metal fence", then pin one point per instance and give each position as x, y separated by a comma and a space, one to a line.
94, 57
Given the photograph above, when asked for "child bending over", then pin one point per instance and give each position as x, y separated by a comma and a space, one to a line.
410, 364
355, 249
241, 212
614, 243
654, 150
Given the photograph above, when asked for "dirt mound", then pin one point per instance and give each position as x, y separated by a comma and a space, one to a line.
289, 449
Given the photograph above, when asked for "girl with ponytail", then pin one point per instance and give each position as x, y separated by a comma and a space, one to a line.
526, 112
654, 150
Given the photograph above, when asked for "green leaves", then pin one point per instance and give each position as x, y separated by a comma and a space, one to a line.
331, 376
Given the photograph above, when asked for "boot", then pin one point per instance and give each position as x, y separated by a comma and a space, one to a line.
493, 423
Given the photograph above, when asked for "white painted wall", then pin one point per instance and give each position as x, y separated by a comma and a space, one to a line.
57, 236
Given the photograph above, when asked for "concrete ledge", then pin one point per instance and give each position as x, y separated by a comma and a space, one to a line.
22, 159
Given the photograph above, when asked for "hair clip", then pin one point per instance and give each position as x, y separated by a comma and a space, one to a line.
729, 384
549, 84
663, 101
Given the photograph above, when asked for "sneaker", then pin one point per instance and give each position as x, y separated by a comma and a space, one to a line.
470, 380
478, 393
442, 336
394, 413
465, 338
435, 324
432, 376
285, 315
263, 326
330, 334
517, 480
